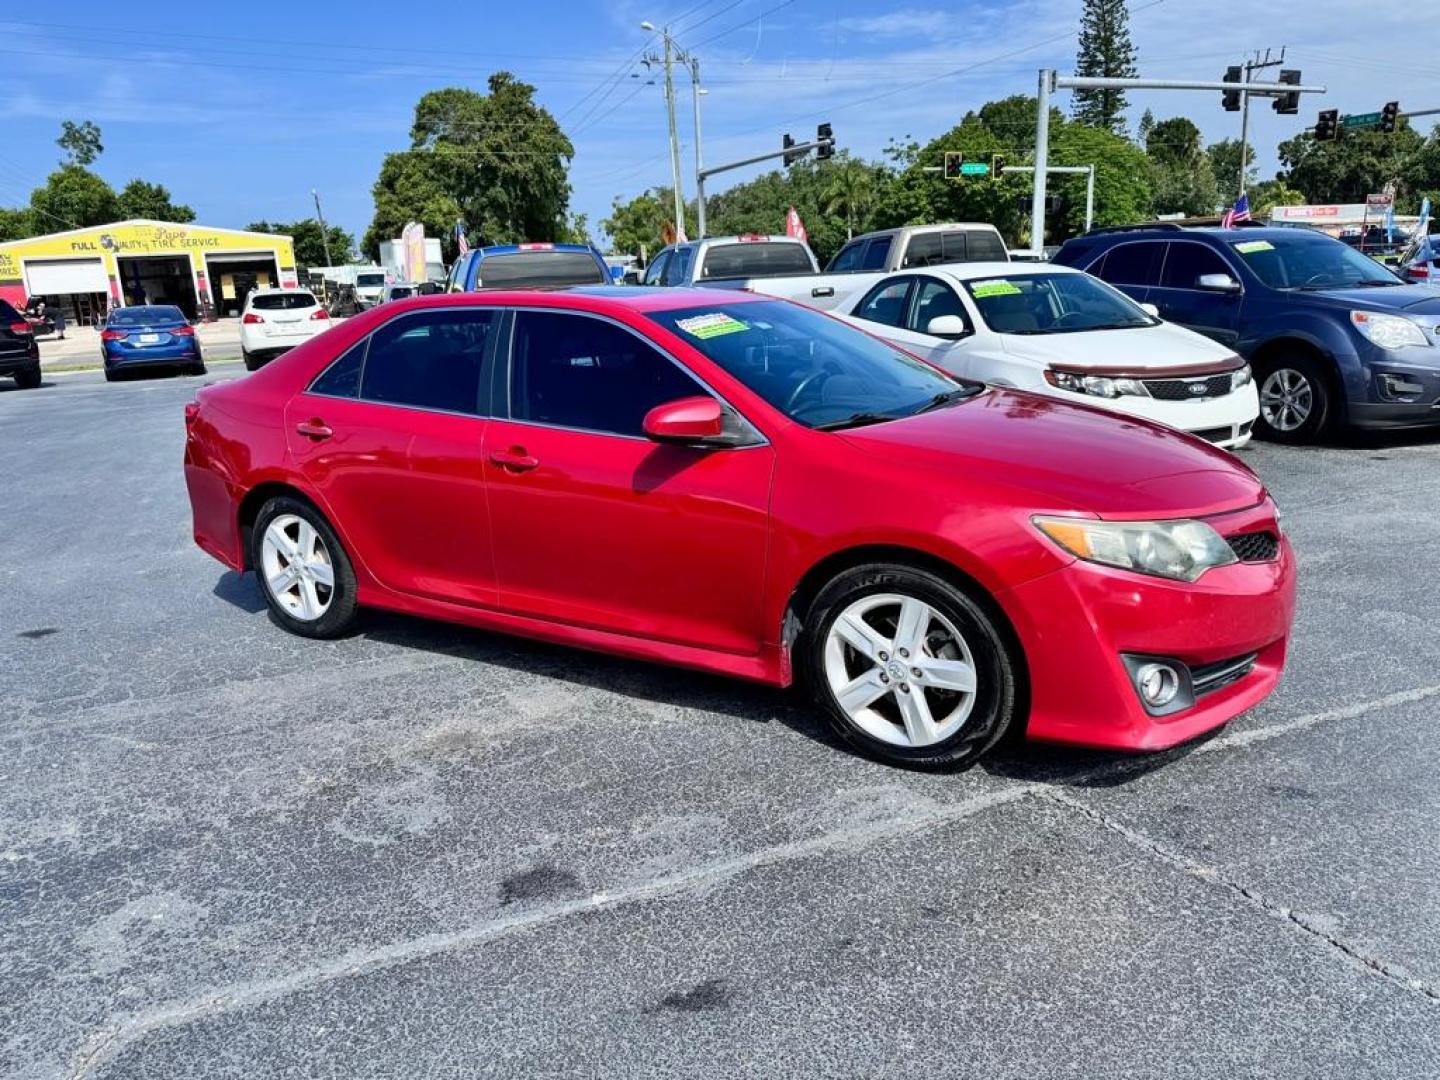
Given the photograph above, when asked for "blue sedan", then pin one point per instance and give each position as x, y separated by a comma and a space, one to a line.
149, 335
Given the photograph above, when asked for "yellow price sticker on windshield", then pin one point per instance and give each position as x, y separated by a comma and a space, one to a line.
711, 325
1249, 247
982, 289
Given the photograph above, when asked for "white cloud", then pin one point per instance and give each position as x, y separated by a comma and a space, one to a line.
899, 23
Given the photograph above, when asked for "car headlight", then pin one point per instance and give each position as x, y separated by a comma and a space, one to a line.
1242, 377
1095, 385
1182, 550
1387, 331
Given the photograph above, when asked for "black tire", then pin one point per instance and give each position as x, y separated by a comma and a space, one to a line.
341, 615
1315, 388
251, 363
998, 673
197, 368
28, 378
111, 375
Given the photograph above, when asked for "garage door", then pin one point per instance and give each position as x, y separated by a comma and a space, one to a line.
52, 277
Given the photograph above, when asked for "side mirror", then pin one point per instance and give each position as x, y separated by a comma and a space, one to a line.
696, 419
1151, 310
947, 326
1221, 283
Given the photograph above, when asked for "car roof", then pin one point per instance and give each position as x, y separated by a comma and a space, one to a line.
278, 291
592, 298
1261, 232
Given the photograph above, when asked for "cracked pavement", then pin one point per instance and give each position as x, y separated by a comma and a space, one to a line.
430, 851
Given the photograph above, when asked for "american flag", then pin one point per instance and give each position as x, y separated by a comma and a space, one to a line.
1237, 213
462, 244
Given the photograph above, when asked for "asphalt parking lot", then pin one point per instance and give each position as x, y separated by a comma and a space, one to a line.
429, 851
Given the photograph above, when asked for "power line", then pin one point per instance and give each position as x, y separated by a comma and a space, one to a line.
742, 25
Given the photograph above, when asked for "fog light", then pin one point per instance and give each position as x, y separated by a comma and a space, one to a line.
1398, 386
1158, 684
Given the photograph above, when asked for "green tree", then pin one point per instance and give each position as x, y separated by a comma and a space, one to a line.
73, 197
1225, 164
1182, 178
638, 225
1268, 194
1352, 166
310, 244
1105, 52
141, 199
81, 142
497, 161
16, 224
850, 189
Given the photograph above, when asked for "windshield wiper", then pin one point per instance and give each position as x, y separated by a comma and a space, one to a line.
939, 401
859, 419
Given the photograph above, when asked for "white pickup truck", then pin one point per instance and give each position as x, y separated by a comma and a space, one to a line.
784, 266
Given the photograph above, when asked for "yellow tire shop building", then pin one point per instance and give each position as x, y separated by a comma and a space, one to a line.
204, 271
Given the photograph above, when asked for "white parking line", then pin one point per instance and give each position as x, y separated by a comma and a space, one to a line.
1241, 739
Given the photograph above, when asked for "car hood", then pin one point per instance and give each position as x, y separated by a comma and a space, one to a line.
1140, 348
1412, 299
1058, 456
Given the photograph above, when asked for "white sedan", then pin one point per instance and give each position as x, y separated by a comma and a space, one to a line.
1061, 332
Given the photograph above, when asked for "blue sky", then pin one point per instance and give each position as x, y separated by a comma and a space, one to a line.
241, 109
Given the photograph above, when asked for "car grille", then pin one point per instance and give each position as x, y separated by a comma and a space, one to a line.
1205, 678
1181, 389
1255, 546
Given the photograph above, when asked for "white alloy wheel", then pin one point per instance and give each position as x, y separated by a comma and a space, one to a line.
1286, 399
900, 670
296, 567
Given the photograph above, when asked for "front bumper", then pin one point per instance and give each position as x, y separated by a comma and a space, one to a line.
1076, 623
1223, 421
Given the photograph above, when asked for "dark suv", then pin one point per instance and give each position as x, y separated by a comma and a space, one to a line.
1333, 337
19, 352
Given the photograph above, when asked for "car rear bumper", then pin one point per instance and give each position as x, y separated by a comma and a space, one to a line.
21, 362
1078, 624
155, 356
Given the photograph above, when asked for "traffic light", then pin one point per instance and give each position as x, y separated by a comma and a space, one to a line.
1327, 127
1288, 104
953, 161
1231, 98
997, 165
1388, 116
825, 137
791, 156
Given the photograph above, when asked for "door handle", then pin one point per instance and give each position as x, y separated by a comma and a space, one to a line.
823, 290
514, 460
314, 429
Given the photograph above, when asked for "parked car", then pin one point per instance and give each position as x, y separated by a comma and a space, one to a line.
1419, 263
914, 246
528, 266
1061, 332
148, 336
399, 291
276, 320
1335, 340
733, 259
751, 487
19, 351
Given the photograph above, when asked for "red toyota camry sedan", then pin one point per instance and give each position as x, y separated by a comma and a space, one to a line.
747, 486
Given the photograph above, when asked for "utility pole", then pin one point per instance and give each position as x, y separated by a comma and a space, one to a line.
695, 93
324, 233
671, 54
1251, 66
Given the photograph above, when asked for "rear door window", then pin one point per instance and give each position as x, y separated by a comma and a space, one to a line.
886, 302
924, 249
1185, 262
428, 360
757, 259
1131, 264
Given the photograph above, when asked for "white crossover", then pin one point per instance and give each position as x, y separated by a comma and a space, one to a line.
276, 320
1061, 332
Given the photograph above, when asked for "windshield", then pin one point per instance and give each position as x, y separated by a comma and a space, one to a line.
1307, 262
150, 313
1050, 303
366, 281
541, 270
813, 368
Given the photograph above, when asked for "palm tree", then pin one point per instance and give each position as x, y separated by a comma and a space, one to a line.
850, 190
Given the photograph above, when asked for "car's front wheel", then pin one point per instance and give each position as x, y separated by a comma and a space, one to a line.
908, 668
304, 572
1296, 400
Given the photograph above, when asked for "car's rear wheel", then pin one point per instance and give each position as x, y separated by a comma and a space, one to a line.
306, 576
1296, 400
28, 378
908, 668
111, 375
252, 362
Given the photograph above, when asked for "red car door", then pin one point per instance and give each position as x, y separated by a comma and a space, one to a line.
390, 436
598, 526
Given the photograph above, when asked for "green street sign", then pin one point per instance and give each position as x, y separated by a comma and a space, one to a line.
1361, 120
977, 168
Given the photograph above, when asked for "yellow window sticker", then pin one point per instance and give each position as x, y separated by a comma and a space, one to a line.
712, 325
1249, 247
996, 287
